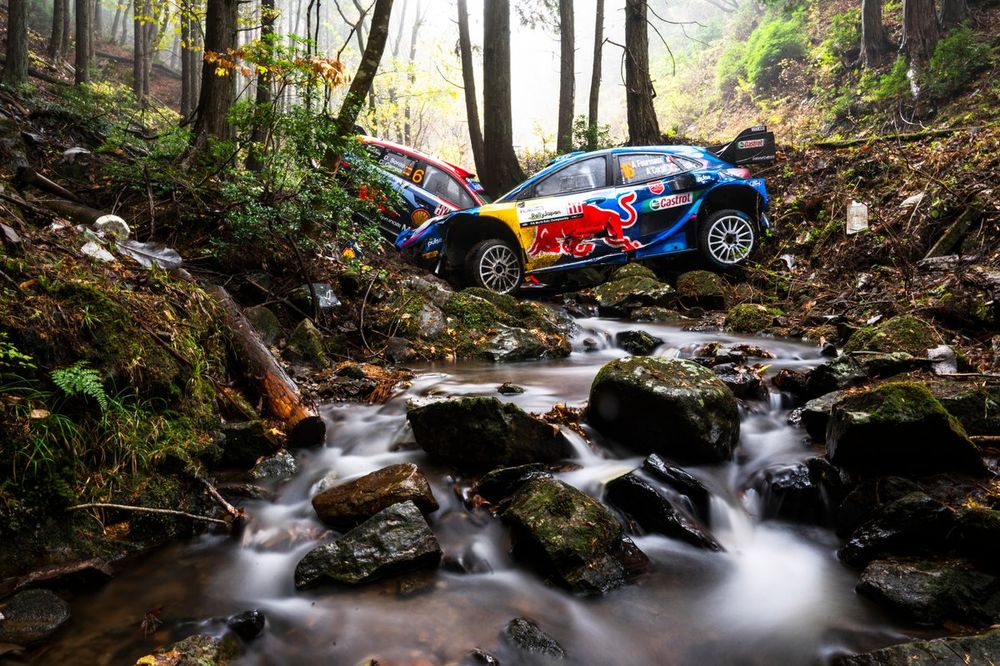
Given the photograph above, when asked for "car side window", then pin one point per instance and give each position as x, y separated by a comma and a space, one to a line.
440, 184
397, 163
640, 167
686, 163
588, 174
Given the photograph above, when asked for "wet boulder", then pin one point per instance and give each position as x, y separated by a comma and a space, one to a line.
693, 490
481, 433
395, 540
815, 414
977, 534
867, 498
510, 344
31, 616
248, 625
654, 314
791, 382
898, 428
933, 593
957, 651
904, 333
501, 483
265, 322
350, 503
525, 636
701, 288
244, 442
803, 492
841, 373
278, 467
633, 270
638, 343
911, 525
656, 511
975, 405
621, 295
750, 318
745, 382
672, 407
571, 537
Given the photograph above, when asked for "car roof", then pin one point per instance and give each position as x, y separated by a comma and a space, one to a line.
439, 163
695, 152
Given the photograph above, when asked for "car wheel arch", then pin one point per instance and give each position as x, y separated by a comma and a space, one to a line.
465, 231
733, 196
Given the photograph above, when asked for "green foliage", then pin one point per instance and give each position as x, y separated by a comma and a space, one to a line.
887, 87
587, 138
11, 358
756, 63
80, 380
843, 37
956, 60
773, 41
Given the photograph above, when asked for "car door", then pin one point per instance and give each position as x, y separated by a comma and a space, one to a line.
561, 220
660, 188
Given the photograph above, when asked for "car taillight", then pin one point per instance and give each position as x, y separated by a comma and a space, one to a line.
737, 173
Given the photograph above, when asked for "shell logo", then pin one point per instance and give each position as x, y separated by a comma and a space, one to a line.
419, 216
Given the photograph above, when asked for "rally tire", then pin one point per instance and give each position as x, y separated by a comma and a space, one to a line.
494, 264
727, 238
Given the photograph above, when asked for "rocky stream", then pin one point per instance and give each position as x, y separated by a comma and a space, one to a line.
727, 555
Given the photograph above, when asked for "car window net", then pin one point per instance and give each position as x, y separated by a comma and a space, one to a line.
585, 175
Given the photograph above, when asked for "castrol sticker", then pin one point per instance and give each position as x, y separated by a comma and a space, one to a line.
672, 201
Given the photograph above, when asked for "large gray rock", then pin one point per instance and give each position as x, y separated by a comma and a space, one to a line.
933, 593
571, 537
350, 503
958, 651
395, 540
482, 433
911, 525
658, 405
244, 442
31, 616
836, 375
633, 291
898, 427
655, 510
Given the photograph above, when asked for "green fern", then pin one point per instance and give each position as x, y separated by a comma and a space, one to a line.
79, 380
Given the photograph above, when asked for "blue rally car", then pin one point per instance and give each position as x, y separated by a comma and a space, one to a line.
606, 207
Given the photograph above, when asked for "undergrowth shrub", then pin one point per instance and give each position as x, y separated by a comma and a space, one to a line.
956, 60
879, 88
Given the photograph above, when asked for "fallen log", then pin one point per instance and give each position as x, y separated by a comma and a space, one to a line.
277, 389
128, 61
955, 233
29, 176
72, 211
902, 137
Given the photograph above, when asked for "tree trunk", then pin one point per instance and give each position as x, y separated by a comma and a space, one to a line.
119, 10
643, 128
408, 135
67, 30
255, 160
83, 25
567, 77
58, 16
920, 29
187, 66
98, 21
139, 19
954, 12
362, 83
503, 170
217, 92
874, 42
595, 77
469, 82
15, 71
130, 7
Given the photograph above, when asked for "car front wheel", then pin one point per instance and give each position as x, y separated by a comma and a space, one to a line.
727, 238
493, 264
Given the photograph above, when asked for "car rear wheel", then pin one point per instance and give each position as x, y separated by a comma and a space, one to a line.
727, 238
493, 264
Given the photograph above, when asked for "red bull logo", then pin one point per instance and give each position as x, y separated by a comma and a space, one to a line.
578, 237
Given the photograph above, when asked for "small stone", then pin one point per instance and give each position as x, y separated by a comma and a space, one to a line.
701, 288
526, 636
248, 625
244, 442
510, 389
638, 343
279, 467
305, 344
956, 651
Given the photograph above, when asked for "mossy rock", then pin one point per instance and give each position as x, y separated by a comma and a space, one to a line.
750, 318
305, 345
701, 288
571, 537
265, 322
632, 292
975, 405
199, 650
898, 427
904, 333
634, 270
672, 407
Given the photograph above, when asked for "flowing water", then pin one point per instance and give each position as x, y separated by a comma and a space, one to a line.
777, 595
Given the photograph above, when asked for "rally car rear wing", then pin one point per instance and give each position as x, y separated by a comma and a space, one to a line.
752, 146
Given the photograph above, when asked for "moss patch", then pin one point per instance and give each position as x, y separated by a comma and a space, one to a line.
750, 318
903, 333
